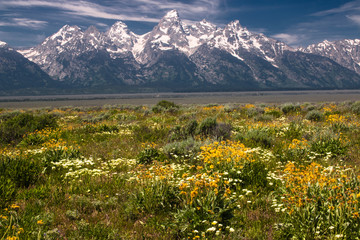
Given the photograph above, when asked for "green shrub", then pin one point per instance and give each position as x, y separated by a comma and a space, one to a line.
32, 140
143, 133
254, 175
184, 149
13, 128
314, 115
167, 104
207, 127
273, 112
179, 133
328, 144
164, 105
107, 128
290, 108
150, 154
294, 130
355, 107
222, 131
22, 171
190, 128
256, 138
7, 191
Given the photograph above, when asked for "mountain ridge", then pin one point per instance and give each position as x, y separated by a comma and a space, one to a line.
177, 56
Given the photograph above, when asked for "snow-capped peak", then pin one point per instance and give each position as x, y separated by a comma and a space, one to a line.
173, 14
119, 25
3, 44
65, 32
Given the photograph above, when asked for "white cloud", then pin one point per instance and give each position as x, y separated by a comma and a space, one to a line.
289, 39
355, 18
24, 22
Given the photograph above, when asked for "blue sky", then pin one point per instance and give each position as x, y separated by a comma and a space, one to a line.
26, 23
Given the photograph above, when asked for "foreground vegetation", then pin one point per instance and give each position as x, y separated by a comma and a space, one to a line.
181, 172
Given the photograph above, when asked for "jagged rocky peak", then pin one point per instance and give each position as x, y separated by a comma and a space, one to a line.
170, 23
120, 39
169, 33
235, 27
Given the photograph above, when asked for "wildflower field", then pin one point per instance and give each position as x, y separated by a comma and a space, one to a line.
168, 171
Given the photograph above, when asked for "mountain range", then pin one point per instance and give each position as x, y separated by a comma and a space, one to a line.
176, 56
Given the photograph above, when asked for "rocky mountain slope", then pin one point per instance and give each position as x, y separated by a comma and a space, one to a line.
17, 72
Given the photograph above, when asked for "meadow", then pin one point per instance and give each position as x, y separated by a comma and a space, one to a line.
181, 171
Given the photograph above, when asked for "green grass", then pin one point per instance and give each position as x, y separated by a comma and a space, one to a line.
168, 171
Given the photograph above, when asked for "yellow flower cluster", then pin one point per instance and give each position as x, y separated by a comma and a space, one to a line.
329, 108
201, 185
224, 153
335, 118
270, 109
298, 144
213, 108
336, 187
248, 106
157, 171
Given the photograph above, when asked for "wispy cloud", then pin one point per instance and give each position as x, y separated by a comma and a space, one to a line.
348, 7
136, 10
24, 22
81, 8
355, 18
